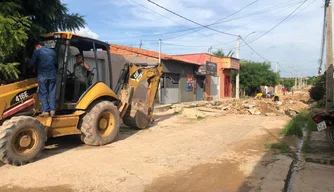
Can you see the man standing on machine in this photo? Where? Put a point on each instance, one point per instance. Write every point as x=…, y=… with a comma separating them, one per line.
x=44, y=60
x=80, y=73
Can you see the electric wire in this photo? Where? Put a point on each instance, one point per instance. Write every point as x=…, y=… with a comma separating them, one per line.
x=222, y=32
x=288, y=3
x=278, y=23
x=173, y=20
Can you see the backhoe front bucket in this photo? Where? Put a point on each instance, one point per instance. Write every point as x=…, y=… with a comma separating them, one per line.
x=136, y=118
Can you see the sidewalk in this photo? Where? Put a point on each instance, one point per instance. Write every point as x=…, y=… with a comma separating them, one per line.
x=317, y=172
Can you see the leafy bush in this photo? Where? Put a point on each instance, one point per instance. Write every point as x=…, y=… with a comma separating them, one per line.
x=9, y=71
x=317, y=92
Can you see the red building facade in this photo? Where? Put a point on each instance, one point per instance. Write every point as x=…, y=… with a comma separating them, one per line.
x=218, y=85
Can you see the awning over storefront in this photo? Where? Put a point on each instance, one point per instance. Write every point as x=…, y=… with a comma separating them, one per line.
x=230, y=63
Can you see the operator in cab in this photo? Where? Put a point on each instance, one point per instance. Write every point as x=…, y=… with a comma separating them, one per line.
x=80, y=69
x=44, y=60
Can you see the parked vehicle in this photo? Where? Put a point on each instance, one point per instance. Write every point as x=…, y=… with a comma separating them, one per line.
x=326, y=122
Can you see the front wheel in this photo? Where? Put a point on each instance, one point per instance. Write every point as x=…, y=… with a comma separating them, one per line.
x=21, y=140
x=100, y=125
x=330, y=135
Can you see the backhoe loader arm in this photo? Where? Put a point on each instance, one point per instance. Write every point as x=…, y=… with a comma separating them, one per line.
x=132, y=75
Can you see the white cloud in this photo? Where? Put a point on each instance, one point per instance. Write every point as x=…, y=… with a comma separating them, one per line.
x=87, y=33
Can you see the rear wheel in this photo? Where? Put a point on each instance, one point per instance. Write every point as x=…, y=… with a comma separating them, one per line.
x=101, y=123
x=330, y=135
x=21, y=140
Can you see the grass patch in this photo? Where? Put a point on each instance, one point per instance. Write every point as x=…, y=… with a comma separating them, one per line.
x=310, y=126
x=297, y=124
x=283, y=147
x=199, y=117
x=293, y=128
x=303, y=121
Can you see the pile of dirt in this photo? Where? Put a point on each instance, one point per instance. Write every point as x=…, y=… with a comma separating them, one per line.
x=288, y=105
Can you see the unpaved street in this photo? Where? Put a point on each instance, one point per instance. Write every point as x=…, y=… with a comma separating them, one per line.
x=178, y=153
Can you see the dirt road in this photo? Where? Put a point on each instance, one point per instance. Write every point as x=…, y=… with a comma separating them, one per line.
x=221, y=153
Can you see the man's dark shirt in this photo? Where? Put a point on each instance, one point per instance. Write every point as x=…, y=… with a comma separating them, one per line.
x=45, y=61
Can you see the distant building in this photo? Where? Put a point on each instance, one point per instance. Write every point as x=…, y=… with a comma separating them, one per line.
x=218, y=84
x=178, y=81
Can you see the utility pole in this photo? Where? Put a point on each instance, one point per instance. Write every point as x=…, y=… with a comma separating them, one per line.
x=276, y=72
x=296, y=82
x=159, y=86
x=140, y=44
x=159, y=50
x=329, y=57
x=237, y=91
x=210, y=50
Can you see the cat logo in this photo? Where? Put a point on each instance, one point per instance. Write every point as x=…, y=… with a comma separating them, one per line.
x=137, y=75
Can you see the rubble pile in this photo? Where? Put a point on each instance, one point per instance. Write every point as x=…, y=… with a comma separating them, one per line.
x=288, y=105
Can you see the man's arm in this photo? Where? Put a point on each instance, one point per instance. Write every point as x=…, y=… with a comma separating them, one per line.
x=86, y=65
x=34, y=58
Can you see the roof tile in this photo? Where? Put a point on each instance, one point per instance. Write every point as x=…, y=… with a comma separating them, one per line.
x=125, y=50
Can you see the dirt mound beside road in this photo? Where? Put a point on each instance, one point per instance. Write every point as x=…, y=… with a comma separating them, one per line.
x=288, y=105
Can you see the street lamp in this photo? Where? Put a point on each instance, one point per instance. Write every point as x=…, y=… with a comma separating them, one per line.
x=248, y=35
x=238, y=57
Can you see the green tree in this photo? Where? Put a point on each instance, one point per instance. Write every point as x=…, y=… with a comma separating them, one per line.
x=220, y=53
x=22, y=22
x=256, y=74
x=13, y=28
x=318, y=90
x=288, y=82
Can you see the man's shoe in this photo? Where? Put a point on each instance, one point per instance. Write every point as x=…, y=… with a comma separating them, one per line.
x=52, y=113
x=45, y=114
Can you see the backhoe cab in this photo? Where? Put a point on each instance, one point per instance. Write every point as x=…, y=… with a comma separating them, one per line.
x=96, y=116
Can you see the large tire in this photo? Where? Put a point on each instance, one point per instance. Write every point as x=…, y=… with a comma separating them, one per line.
x=100, y=125
x=21, y=140
x=330, y=135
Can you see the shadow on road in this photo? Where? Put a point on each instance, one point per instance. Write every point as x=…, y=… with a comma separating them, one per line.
x=126, y=132
x=272, y=171
x=162, y=117
x=58, y=145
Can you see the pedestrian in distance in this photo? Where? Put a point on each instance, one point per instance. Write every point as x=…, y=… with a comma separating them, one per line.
x=44, y=59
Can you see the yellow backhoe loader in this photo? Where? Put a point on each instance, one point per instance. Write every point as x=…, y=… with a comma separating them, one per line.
x=96, y=116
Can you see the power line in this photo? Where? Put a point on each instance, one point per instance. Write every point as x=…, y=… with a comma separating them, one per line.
x=275, y=25
x=221, y=20
x=209, y=28
x=282, y=5
x=286, y=6
x=254, y=50
x=222, y=32
x=173, y=20
x=279, y=22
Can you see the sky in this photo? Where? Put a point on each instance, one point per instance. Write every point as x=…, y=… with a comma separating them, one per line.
x=294, y=44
